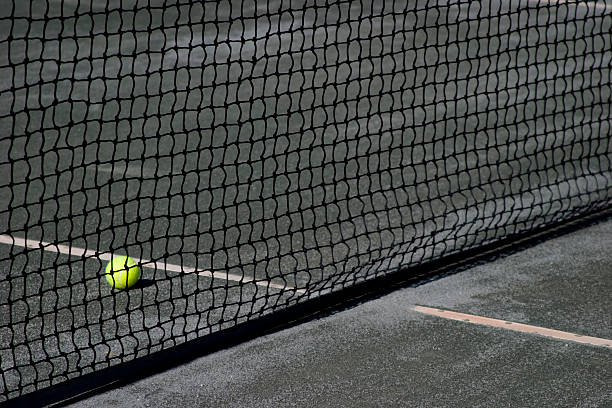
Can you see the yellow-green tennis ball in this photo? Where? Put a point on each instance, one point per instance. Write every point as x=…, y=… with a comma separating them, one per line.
x=122, y=272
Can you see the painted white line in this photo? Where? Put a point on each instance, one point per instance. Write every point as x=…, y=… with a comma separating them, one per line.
x=106, y=256
x=121, y=170
x=519, y=327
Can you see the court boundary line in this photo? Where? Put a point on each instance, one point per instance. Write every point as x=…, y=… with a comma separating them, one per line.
x=146, y=263
x=513, y=326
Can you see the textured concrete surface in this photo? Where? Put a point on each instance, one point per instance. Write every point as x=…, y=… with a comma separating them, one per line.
x=312, y=143
x=382, y=353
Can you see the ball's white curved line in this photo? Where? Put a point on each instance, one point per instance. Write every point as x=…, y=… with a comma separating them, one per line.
x=107, y=256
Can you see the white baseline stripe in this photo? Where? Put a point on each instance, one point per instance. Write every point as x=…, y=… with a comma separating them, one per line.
x=106, y=256
x=519, y=327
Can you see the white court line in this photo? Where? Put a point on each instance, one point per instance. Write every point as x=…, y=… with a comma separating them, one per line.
x=519, y=327
x=106, y=256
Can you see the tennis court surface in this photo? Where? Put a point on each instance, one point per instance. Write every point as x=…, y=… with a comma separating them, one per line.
x=261, y=158
x=382, y=353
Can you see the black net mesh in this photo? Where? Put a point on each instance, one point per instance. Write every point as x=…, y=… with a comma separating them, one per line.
x=250, y=155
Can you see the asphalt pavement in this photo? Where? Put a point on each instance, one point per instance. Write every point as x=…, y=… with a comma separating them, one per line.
x=383, y=353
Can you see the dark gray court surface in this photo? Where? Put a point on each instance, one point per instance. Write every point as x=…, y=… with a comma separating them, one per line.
x=381, y=353
x=309, y=144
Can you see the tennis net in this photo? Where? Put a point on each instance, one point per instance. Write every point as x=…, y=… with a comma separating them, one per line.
x=252, y=155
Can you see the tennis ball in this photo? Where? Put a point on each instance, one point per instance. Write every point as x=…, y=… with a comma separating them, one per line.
x=122, y=272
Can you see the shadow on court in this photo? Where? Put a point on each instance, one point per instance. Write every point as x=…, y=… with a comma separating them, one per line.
x=382, y=353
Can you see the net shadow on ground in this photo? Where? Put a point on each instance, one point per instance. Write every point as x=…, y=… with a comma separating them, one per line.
x=84, y=325
x=324, y=305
